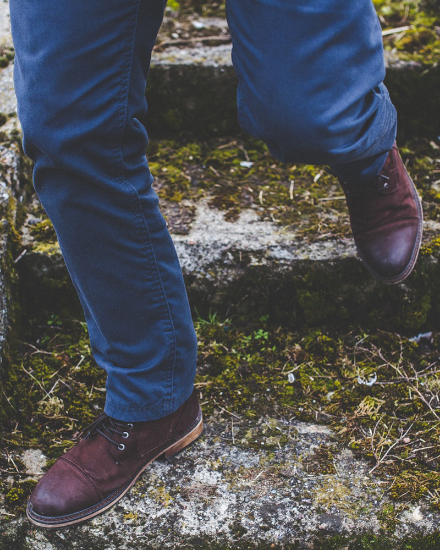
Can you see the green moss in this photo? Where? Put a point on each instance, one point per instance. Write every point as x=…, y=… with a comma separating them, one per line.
x=43, y=232
x=7, y=54
x=173, y=5
x=419, y=42
x=388, y=516
x=248, y=377
x=304, y=198
x=17, y=495
x=61, y=360
x=410, y=485
x=285, y=194
x=268, y=435
x=206, y=8
x=321, y=461
x=431, y=248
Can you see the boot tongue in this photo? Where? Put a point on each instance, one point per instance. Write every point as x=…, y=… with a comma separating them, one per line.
x=107, y=424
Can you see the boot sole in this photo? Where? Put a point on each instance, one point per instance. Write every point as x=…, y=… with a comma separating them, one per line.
x=84, y=515
x=410, y=267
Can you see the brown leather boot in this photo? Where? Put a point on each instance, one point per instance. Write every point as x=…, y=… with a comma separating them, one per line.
x=98, y=471
x=386, y=218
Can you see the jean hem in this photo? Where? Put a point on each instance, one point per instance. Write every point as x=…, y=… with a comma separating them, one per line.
x=151, y=412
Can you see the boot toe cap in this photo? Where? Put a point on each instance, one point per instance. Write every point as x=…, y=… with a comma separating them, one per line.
x=62, y=491
x=390, y=253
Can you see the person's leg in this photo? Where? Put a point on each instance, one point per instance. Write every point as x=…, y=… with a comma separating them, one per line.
x=310, y=79
x=311, y=87
x=80, y=75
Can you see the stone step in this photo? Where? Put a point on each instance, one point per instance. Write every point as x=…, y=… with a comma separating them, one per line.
x=264, y=472
x=308, y=493
x=255, y=237
x=192, y=85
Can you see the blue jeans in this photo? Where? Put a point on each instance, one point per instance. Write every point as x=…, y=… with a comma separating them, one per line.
x=310, y=86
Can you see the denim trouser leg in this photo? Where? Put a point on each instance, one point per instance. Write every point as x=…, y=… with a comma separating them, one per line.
x=80, y=75
x=310, y=82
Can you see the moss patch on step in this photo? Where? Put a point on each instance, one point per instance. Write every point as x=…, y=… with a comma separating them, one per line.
x=206, y=8
x=378, y=391
x=417, y=24
x=7, y=55
x=236, y=174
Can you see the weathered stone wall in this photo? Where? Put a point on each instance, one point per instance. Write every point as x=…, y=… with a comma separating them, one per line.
x=13, y=186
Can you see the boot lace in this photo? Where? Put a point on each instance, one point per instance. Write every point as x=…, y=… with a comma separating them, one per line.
x=108, y=428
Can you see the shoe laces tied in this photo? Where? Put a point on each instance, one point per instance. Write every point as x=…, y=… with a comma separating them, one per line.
x=108, y=428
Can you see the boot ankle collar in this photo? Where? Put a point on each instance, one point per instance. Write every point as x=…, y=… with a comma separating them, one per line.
x=379, y=183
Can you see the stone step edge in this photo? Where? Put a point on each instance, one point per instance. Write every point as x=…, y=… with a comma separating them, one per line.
x=213, y=241
x=192, y=91
x=252, y=268
x=220, y=57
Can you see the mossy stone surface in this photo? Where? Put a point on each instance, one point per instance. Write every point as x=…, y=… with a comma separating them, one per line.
x=256, y=237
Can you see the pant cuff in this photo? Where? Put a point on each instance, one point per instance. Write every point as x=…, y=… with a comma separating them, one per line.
x=153, y=412
x=360, y=171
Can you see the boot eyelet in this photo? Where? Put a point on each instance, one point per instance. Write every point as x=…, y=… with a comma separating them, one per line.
x=129, y=425
x=121, y=446
x=125, y=435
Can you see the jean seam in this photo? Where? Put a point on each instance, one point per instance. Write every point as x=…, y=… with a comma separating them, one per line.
x=140, y=219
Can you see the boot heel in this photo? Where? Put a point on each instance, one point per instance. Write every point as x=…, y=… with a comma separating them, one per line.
x=185, y=441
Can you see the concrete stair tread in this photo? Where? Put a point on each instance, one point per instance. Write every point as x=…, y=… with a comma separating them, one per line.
x=270, y=211
x=222, y=493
